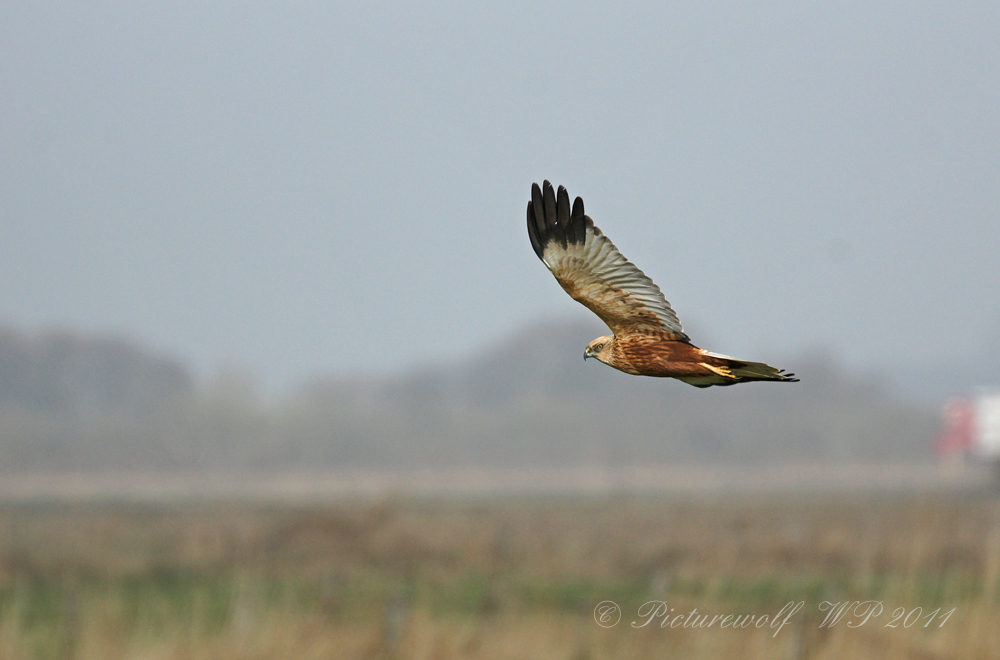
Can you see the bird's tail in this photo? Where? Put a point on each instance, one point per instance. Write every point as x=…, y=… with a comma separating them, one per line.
x=759, y=371
x=740, y=371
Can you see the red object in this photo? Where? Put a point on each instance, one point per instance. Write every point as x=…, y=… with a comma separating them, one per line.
x=959, y=428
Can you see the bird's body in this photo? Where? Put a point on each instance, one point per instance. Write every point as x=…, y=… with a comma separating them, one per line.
x=657, y=354
x=650, y=353
x=648, y=338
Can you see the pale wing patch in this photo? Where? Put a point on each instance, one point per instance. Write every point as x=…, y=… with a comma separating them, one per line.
x=718, y=355
x=597, y=275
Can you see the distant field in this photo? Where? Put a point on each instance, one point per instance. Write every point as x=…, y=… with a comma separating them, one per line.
x=594, y=480
x=502, y=577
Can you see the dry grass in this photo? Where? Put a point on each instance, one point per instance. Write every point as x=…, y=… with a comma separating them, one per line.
x=516, y=578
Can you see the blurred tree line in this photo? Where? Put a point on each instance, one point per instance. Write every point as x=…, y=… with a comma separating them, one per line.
x=64, y=372
x=71, y=402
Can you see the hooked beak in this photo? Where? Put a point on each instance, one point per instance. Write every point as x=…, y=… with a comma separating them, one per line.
x=586, y=354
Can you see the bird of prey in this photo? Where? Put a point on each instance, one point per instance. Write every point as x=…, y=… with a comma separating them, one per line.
x=648, y=339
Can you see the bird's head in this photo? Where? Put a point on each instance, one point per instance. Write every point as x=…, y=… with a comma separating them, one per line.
x=600, y=348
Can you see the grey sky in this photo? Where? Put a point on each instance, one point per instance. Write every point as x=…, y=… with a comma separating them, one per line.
x=341, y=186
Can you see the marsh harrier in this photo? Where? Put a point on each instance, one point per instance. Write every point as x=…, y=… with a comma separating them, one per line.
x=648, y=339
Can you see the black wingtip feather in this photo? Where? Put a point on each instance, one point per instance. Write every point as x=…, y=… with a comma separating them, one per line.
x=562, y=216
x=539, y=207
x=550, y=217
x=578, y=222
x=533, y=232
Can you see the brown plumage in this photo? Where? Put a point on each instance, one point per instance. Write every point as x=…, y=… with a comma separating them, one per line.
x=648, y=338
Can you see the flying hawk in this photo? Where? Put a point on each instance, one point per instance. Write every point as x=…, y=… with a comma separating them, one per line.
x=648, y=339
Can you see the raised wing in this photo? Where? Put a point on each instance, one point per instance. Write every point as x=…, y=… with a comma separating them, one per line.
x=591, y=269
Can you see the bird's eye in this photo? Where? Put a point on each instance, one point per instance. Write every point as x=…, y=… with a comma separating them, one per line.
x=598, y=347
